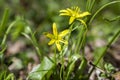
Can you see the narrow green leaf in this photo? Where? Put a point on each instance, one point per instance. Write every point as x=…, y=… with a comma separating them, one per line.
x=4, y=21
x=100, y=9
x=6, y=33
x=10, y=77
x=105, y=49
x=71, y=66
x=18, y=28
x=89, y=5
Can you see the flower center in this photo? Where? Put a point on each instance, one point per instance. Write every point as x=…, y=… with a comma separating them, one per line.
x=73, y=15
x=56, y=37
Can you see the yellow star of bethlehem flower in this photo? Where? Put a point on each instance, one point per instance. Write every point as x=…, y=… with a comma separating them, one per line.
x=75, y=14
x=57, y=37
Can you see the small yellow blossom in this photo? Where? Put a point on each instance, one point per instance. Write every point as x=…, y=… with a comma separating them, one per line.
x=75, y=14
x=57, y=37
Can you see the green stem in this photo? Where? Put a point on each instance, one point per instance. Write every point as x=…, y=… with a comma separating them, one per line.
x=89, y=5
x=33, y=40
x=108, y=45
x=81, y=68
x=4, y=21
x=3, y=43
x=6, y=33
x=79, y=39
x=100, y=9
x=83, y=41
x=3, y=49
x=62, y=68
x=35, y=43
x=116, y=35
x=113, y=19
x=71, y=29
x=104, y=51
x=82, y=64
x=55, y=56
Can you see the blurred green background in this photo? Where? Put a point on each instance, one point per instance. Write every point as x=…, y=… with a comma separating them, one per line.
x=41, y=14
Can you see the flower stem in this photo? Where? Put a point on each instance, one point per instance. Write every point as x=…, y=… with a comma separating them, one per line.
x=104, y=51
x=100, y=9
x=62, y=68
x=4, y=21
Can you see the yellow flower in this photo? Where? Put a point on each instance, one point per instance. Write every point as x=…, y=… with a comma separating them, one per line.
x=75, y=14
x=57, y=37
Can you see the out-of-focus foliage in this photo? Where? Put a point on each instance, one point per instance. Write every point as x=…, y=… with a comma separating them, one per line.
x=40, y=14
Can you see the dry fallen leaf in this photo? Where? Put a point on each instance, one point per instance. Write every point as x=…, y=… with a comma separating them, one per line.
x=16, y=47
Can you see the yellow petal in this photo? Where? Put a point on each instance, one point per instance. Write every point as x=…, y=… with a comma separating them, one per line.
x=69, y=10
x=64, y=41
x=77, y=9
x=58, y=45
x=64, y=14
x=65, y=11
x=51, y=42
x=55, y=29
x=49, y=35
x=63, y=33
x=84, y=14
x=71, y=20
x=83, y=22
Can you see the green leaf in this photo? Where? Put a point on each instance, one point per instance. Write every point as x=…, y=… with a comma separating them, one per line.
x=33, y=39
x=10, y=77
x=5, y=75
x=4, y=21
x=19, y=27
x=101, y=8
x=42, y=70
x=71, y=65
x=109, y=67
x=103, y=75
x=2, y=51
